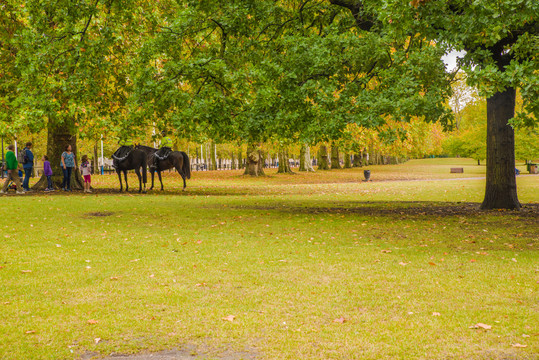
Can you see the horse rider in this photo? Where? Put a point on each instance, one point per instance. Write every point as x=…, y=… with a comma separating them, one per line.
x=165, y=149
x=166, y=145
x=126, y=146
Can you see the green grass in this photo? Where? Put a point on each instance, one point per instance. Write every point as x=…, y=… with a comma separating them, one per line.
x=286, y=255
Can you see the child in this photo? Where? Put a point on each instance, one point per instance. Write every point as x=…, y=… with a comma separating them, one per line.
x=47, y=171
x=85, y=168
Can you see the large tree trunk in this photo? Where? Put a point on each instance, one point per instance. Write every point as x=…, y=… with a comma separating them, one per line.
x=284, y=162
x=347, y=161
x=60, y=135
x=305, y=162
x=253, y=167
x=358, y=157
x=335, y=158
x=323, y=163
x=501, y=188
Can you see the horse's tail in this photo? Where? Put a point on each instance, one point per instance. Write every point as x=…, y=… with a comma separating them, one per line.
x=186, y=164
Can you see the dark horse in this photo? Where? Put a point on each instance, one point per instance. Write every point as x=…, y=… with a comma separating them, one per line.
x=135, y=160
x=176, y=159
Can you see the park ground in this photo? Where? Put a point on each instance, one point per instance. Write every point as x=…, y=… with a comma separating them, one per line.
x=306, y=266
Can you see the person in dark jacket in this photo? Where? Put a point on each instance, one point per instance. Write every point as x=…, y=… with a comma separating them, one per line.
x=28, y=166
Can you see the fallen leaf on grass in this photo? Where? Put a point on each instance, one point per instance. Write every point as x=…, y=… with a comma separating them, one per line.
x=26, y=271
x=436, y=314
x=340, y=320
x=517, y=345
x=30, y=332
x=92, y=322
x=134, y=260
x=114, y=278
x=403, y=263
x=432, y=264
x=97, y=340
x=473, y=260
x=229, y=318
x=387, y=251
x=481, y=326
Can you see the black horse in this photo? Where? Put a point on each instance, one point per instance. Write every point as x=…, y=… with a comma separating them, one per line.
x=176, y=159
x=135, y=160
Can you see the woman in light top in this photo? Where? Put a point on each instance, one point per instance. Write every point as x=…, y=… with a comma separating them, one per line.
x=68, y=163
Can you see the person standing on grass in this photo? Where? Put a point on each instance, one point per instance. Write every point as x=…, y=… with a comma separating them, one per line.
x=27, y=165
x=68, y=163
x=12, y=167
x=86, y=173
x=47, y=171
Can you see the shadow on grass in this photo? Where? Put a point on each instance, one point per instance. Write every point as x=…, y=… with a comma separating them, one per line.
x=393, y=209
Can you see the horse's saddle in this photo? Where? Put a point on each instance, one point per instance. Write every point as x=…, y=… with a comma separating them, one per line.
x=162, y=154
x=122, y=153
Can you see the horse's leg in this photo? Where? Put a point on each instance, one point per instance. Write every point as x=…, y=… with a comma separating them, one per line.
x=160, y=179
x=120, y=177
x=153, y=176
x=180, y=171
x=126, y=185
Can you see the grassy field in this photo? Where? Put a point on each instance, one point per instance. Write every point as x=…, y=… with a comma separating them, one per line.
x=307, y=266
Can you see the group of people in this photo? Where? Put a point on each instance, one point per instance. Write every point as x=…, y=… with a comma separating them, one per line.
x=67, y=163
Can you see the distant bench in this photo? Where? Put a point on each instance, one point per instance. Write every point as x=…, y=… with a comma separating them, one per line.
x=457, y=170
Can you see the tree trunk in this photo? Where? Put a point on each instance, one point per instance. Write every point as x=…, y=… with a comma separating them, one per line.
x=213, y=156
x=323, y=163
x=233, y=161
x=253, y=167
x=302, y=160
x=501, y=187
x=358, y=160
x=305, y=162
x=95, y=162
x=347, y=162
x=335, y=158
x=240, y=158
x=284, y=161
x=261, y=162
x=58, y=136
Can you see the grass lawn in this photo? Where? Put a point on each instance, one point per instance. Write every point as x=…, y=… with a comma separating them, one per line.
x=309, y=266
